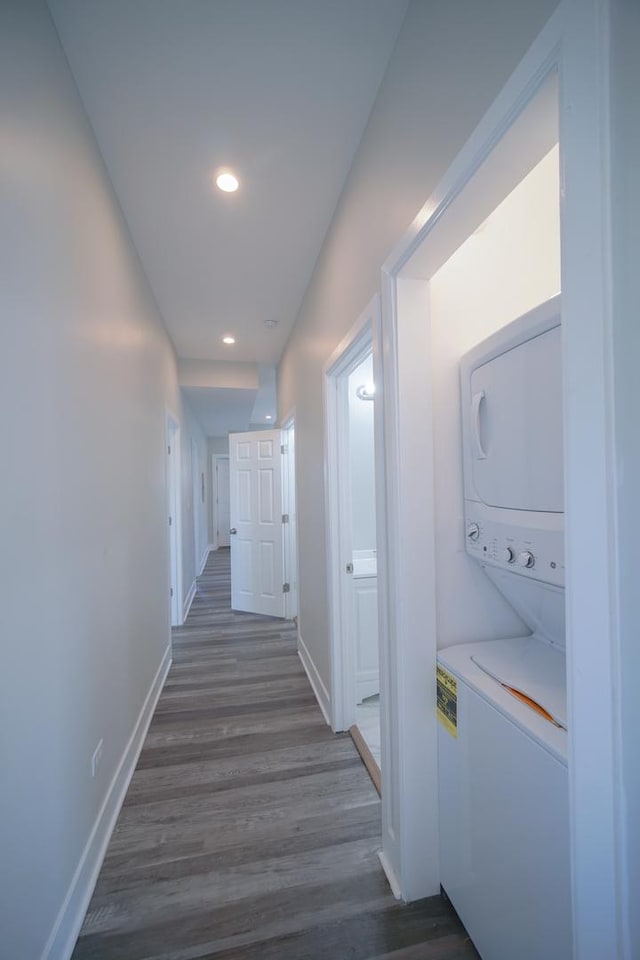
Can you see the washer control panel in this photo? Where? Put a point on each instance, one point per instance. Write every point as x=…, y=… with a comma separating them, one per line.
x=527, y=550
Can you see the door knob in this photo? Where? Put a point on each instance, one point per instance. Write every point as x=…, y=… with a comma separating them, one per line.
x=233, y=530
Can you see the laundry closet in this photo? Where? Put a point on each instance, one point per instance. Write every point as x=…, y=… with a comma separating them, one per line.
x=494, y=317
x=447, y=292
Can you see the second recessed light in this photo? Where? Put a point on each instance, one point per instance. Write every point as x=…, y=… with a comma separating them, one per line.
x=227, y=182
x=229, y=340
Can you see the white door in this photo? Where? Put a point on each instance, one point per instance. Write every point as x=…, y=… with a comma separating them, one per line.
x=221, y=512
x=255, y=473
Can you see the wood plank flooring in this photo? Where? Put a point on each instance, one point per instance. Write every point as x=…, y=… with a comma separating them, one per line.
x=250, y=831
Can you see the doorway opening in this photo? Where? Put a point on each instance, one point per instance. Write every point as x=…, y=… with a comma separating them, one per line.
x=172, y=448
x=197, y=496
x=220, y=500
x=351, y=462
x=289, y=518
x=491, y=254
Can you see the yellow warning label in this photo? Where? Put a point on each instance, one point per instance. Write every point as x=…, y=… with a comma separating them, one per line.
x=447, y=700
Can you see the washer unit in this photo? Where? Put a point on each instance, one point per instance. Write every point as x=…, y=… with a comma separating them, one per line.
x=503, y=784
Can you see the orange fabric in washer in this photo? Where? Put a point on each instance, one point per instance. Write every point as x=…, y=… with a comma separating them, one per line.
x=531, y=703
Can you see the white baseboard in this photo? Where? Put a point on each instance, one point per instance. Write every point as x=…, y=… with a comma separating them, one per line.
x=203, y=562
x=186, y=606
x=67, y=926
x=318, y=687
x=390, y=875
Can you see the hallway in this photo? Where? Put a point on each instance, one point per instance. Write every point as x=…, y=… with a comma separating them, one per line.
x=249, y=829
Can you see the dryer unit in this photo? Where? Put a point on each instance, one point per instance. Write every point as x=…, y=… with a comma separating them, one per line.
x=503, y=785
x=511, y=393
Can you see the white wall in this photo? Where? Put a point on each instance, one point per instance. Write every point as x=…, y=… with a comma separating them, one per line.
x=510, y=265
x=219, y=445
x=86, y=371
x=362, y=461
x=450, y=61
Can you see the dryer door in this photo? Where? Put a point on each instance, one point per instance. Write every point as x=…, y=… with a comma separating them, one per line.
x=516, y=426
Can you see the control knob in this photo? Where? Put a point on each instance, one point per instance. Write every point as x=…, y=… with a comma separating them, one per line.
x=508, y=555
x=473, y=531
x=526, y=559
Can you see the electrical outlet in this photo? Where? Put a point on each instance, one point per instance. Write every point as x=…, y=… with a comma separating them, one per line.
x=96, y=758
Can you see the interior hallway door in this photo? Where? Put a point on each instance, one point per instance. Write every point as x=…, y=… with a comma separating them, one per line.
x=255, y=473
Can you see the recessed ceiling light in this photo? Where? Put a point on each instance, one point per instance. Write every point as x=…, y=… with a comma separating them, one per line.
x=268, y=417
x=227, y=182
x=229, y=340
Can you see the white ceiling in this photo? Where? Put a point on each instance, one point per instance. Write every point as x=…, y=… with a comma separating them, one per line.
x=281, y=91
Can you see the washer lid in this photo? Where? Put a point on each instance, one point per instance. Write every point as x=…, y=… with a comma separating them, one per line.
x=531, y=667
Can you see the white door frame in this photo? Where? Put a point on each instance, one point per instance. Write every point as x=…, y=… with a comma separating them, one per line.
x=289, y=508
x=174, y=516
x=195, y=493
x=215, y=457
x=575, y=42
x=362, y=339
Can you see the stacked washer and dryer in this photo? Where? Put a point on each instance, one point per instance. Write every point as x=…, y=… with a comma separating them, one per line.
x=503, y=783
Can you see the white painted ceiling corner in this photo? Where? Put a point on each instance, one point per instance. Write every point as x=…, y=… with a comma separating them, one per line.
x=279, y=92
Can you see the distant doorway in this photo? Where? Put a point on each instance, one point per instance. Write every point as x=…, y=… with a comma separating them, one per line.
x=289, y=518
x=255, y=505
x=220, y=475
x=197, y=492
x=352, y=537
x=173, y=518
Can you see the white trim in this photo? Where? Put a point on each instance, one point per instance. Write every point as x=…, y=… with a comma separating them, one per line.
x=338, y=514
x=69, y=921
x=595, y=780
x=390, y=875
x=361, y=339
x=409, y=744
x=313, y=675
x=189, y=600
x=203, y=562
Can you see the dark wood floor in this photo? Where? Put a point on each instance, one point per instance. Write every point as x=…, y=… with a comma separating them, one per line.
x=250, y=831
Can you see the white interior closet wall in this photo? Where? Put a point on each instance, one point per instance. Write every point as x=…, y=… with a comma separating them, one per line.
x=509, y=265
